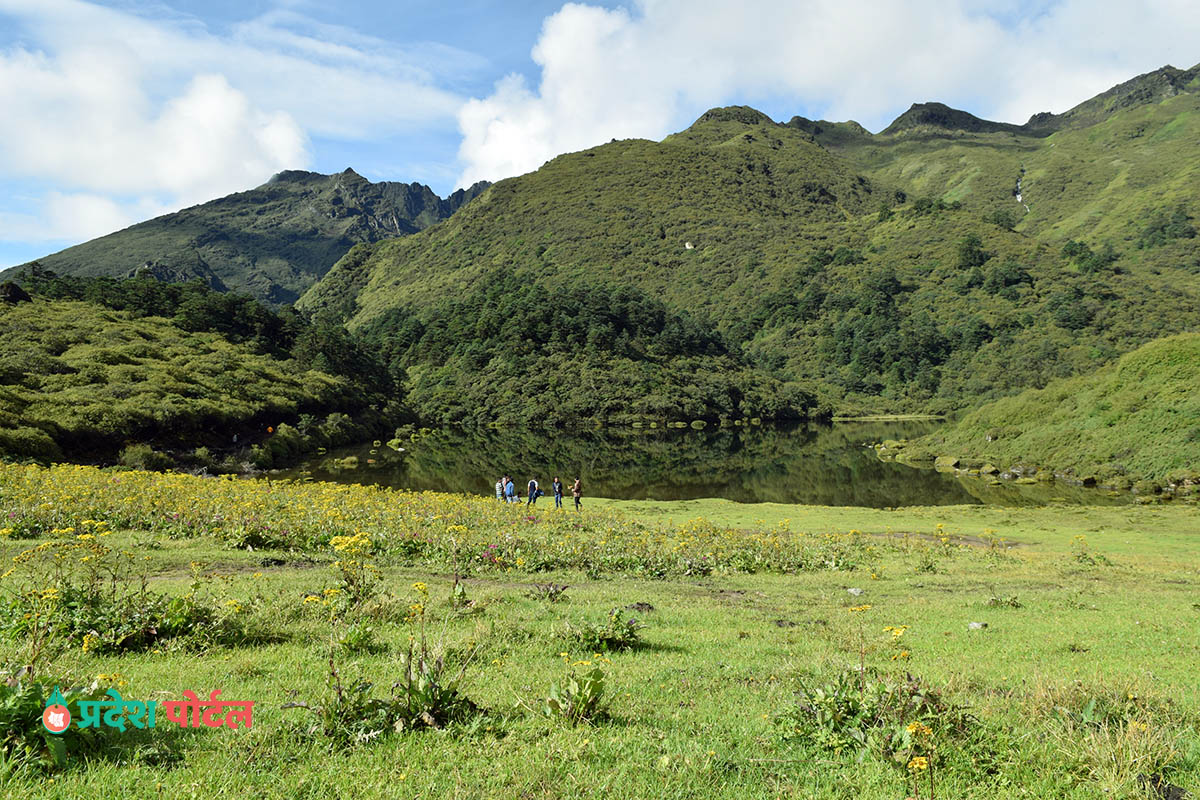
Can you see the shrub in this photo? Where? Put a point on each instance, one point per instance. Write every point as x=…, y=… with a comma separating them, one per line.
x=615, y=633
x=425, y=695
x=359, y=638
x=550, y=592
x=1082, y=553
x=143, y=456
x=854, y=713
x=81, y=593
x=579, y=699
x=355, y=567
x=1165, y=227
x=25, y=442
x=204, y=457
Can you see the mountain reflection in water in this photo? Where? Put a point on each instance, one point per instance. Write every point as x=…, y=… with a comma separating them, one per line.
x=812, y=464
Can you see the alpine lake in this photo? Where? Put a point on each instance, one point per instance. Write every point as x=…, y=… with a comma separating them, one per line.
x=812, y=464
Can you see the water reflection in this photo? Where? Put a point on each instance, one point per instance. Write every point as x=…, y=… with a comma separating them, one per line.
x=817, y=464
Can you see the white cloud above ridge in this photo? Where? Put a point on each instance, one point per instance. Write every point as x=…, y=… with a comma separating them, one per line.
x=647, y=72
x=65, y=216
x=119, y=115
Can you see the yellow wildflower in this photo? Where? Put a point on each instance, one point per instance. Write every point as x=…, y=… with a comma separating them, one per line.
x=919, y=729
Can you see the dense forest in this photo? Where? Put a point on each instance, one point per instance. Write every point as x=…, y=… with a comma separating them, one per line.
x=94, y=365
x=511, y=352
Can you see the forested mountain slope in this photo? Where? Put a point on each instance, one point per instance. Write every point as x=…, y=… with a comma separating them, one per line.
x=943, y=262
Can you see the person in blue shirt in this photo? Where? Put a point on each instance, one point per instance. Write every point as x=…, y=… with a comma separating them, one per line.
x=510, y=491
x=558, y=492
x=533, y=491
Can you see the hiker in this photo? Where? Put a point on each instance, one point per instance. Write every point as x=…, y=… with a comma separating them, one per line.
x=500, y=490
x=558, y=491
x=534, y=492
x=510, y=490
x=577, y=493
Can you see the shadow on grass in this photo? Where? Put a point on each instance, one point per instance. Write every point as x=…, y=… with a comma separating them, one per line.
x=654, y=647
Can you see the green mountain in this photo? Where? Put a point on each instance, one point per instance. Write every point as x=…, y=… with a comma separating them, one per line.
x=272, y=242
x=941, y=263
x=1135, y=419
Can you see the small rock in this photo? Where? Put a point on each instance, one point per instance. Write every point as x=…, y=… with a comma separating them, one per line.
x=976, y=626
x=855, y=591
x=943, y=463
x=640, y=607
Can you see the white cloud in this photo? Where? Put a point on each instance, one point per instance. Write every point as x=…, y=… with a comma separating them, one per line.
x=612, y=73
x=125, y=113
x=64, y=216
x=84, y=121
x=86, y=215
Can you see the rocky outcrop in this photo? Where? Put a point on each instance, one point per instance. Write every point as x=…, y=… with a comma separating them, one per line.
x=12, y=294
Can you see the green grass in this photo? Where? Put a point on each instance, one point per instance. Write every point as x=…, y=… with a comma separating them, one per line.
x=1159, y=533
x=1136, y=419
x=691, y=711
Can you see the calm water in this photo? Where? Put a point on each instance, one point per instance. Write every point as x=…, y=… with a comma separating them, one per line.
x=817, y=464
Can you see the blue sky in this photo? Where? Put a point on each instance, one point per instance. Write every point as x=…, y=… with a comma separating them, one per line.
x=121, y=110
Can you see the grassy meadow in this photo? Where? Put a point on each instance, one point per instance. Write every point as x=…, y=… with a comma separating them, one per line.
x=750, y=668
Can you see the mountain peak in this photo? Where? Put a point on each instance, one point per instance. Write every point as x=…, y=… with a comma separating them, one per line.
x=743, y=114
x=296, y=176
x=349, y=177
x=273, y=241
x=941, y=118
x=829, y=133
